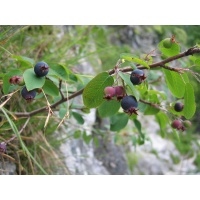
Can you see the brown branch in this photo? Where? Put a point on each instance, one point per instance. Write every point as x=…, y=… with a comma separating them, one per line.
x=190, y=51
x=22, y=114
x=153, y=105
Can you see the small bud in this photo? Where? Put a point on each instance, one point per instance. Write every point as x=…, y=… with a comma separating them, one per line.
x=2, y=147
x=16, y=80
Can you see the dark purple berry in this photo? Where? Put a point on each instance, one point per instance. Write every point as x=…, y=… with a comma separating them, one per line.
x=28, y=95
x=119, y=92
x=137, y=76
x=178, y=107
x=109, y=92
x=2, y=147
x=41, y=69
x=129, y=104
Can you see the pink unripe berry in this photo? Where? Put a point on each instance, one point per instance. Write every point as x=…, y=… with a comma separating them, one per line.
x=177, y=124
x=119, y=92
x=109, y=92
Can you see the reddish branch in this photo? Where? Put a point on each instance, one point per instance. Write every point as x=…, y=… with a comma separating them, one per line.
x=191, y=51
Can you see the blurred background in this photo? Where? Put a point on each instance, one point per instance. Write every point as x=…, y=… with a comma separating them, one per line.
x=84, y=144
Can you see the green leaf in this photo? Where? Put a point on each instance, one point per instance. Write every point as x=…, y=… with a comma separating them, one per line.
x=153, y=98
x=58, y=70
x=32, y=81
x=93, y=93
x=175, y=83
x=176, y=133
x=6, y=84
x=189, y=104
x=62, y=112
x=118, y=122
x=150, y=110
x=162, y=94
x=139, y=128
x=24, y=61
x=132, y=58
x=96, y=141
x=185, y=78
x=86, y=138
x=172, y=51
x=134, y=140
x=163, y=121
x=73, y=77
x=126, y=79
x=50, y=88
x=108, y=108
x=197, y=62
x=78, y=117
x=77, y=134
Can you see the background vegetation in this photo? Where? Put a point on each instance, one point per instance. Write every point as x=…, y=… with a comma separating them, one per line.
x=36, y=151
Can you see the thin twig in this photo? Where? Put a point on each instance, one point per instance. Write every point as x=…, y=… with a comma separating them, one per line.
x=60, y=89
x=153, y=105
x=50, y=112
x=67, y=113
x=23, y=127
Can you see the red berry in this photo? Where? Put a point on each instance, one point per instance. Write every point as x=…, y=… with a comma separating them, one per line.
x=176, y=124
x=109, y=92
x=119, y=92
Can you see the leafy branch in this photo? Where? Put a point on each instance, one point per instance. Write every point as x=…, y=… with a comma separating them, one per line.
x=190, y=51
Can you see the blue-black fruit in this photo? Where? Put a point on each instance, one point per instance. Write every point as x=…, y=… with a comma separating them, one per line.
x=129, y=104
x=28, y=95
x=137, y=76
x=41, y=69
x=178, y=107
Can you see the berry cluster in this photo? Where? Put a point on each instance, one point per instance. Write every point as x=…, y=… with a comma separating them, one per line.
x=128, y=102
x=41, y=69
x=178, y=123
x=111, y=92
x=181, y=125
